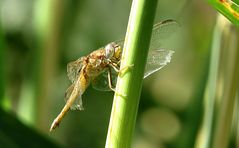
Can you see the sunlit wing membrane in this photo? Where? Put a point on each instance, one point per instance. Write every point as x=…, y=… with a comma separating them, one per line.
x=68, y=94
x=156, y=60
x=78, y=100
x=161, y=32
x=76, y=104
x=73, y=69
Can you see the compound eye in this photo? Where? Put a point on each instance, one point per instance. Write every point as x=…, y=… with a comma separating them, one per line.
x=109, y=51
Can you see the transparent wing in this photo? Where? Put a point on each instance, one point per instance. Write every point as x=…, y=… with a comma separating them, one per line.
x=73, y=69
x=77, y=105
x=161, y=32
x=156, y=60
x=101, y=82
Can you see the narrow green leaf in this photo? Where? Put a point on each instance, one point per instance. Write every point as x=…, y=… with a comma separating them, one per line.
x=228, y=8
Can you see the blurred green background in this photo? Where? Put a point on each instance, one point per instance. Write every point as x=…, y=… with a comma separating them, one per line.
x=37, y=40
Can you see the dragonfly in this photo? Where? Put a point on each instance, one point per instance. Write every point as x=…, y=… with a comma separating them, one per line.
x=101, y=67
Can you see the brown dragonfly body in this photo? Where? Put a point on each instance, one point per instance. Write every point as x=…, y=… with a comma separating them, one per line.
x=82, y=71
x=101, y=67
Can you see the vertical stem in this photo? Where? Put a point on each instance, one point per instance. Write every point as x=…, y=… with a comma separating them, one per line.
x=47, y=22
x=221, y=88
x=2, y=68
x=210, y=94
x=126, y=100
x=230, y=83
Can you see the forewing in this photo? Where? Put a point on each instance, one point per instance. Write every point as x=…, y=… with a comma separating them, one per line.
x=156, y=60
x=101, y=82
x=161, y=32
x=157, y=57
x=73, y=69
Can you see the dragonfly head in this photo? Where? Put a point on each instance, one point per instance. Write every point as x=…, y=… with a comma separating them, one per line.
x=112, y=50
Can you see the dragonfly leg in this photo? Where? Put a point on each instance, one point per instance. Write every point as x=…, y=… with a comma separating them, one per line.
x=110, y=80
x=122, y=71
x=115, y=67
x=110, y=84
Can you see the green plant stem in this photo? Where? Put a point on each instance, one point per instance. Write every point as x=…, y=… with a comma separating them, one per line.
x=230, y=83
x=221, y=88
x=2, y=74
x=4, y=102
x=210, y=94
x=47, y=20
x=129, y=84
